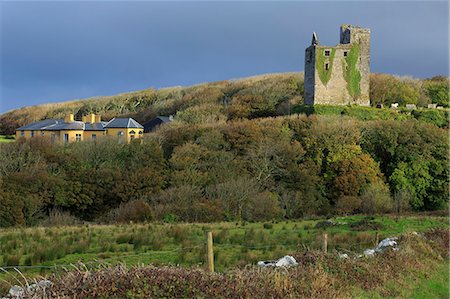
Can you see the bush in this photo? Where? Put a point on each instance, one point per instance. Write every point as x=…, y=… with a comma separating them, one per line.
x=58, y=217
x=135, y=210
x=376, y=199
x=348, y=204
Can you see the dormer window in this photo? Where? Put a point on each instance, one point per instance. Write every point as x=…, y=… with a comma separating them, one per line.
x=327, y=53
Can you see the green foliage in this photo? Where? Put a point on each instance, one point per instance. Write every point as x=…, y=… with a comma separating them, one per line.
x=250, y=170
x=388, y=89
x=438, y=91
x=321, y=60
x=8, y=138
x=351, y=72
x=438, y=117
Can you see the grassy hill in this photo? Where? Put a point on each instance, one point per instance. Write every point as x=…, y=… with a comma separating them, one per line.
x=259, y=96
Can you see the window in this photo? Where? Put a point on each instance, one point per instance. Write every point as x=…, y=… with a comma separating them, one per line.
x=345, y=53
x=132, y=133
x=327, y=66
x=77, y=137
x=66, y=138
x=42, y=134
x=94, y=136
x=327, y=52
x=120, y=136
x=32, y=133
x=22, y=134
x=52, y=139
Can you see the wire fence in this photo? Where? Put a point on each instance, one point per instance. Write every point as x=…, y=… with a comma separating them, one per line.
x=349, y=248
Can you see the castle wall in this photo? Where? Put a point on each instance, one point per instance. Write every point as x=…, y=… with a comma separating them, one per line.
x=310, y=69
x=334, y=90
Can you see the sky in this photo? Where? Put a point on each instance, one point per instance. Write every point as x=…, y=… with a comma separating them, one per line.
x=58, y=51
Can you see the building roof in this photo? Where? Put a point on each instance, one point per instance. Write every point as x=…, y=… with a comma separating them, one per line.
x=123, y=123
x=165, y=119
x=95, y=126
x=76, y=125
x=40, y=125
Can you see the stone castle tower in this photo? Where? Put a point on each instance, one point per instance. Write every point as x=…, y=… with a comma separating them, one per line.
x=339, y=75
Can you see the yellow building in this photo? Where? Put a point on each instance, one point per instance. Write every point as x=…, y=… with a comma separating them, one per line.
x=90, y=128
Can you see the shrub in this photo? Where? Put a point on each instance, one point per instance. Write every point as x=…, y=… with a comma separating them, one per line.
x=58, y=217
x=376, y=199
x=348, y=204
x=135, y=210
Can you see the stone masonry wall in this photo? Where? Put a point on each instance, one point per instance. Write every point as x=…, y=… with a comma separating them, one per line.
x=336, y=91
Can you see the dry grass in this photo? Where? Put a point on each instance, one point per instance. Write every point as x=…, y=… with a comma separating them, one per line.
x=318, y=276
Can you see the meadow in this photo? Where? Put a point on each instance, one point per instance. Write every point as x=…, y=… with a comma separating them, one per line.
x=235, y=244
x=165, y=254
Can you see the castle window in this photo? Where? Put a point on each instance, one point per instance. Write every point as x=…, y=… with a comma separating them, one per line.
x=327, y=66
x=345, y=53
x=78, y=137
x=327, y=52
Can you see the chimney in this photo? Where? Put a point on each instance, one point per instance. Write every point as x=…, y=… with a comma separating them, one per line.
x=98, y=118
x=69, y=118
x=83, y=119
x=91, y=118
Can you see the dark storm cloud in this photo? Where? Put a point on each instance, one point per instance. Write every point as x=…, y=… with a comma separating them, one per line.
x=59, y=51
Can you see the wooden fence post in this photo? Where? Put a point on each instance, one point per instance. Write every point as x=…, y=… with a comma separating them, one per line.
x=325, y=242
x=209, y=251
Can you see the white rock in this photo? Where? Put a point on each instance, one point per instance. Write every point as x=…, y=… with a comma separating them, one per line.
x=369, y=252
x=285, y=261
x=16, y=291
x=385, y=244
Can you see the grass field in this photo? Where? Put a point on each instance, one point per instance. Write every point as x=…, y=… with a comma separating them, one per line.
x=418, y=270
x=4, y=138
x=235, y=244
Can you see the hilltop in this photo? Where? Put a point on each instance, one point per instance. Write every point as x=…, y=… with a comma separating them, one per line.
x=252, y=97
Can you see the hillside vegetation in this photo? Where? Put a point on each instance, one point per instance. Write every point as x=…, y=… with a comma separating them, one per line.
x=267, y=168
x=260, y=96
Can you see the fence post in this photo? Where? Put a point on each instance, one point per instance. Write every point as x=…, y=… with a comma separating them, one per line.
x=325, y=242
x=209, y=251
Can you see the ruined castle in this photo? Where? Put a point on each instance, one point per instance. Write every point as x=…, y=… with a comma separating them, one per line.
x=339, y=75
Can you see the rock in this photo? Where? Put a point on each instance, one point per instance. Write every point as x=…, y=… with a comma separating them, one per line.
x=286, y=261
x=385, y=244
x=343, y=255
x=369, y=252
x=16, y=292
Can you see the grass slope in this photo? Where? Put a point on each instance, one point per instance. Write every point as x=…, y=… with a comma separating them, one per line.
x=4, y=138
x=258, y=96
